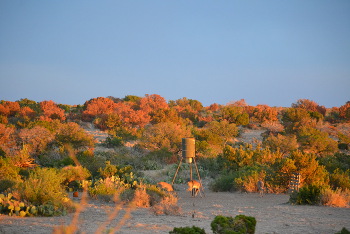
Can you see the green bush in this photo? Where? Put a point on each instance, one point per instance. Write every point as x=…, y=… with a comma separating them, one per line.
x=340, y=179
x=307, y=195
x=238, y=225
x=343, y=231
x=113, y=141
x=8, y=170
x=107, y=188
x=73, y=174
x=223, y=183
x=187, y=230
x=44, y=188
x=6, y=184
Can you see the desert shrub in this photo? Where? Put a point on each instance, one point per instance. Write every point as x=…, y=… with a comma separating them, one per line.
x=113, y=141
x=187, y=230
x=309, y=168
x=340, y=179
x=315, y=141
x=343, y=231
x=307, y=195
x=209, y=165
x=161, y=201
x=338, y=160
x=107, y=188
x=223, y=183
x=234, y=114
x=6, y=184
x=279, y=174
x=248, y=177
x=165, y=135
x=156, y=194
x=125, y=174
x=344, y=111
x=273, y=126
x=280, y=142
x=337, y=198
x=141, y=197
x=73, y=174
x=168, y=206
x=71, y=133
x=8, y=170
x=162, y=156
x=295, y=118
x=91, y=162
x=239, y=224
x=44, y=189
x=127, y=195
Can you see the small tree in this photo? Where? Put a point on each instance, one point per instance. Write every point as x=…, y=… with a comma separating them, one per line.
x=165, y=135
x=280, y=142
x=314, y=141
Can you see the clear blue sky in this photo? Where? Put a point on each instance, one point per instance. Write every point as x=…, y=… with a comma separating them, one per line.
x=266, y=52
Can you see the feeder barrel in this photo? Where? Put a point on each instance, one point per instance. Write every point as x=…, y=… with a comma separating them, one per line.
x=188, y=148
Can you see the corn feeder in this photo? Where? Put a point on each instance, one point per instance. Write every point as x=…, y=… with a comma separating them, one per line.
x=189, y=155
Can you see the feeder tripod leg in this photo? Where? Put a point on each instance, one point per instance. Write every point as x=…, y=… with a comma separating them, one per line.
x=177, y=170
x=199, y=177
x=191, y=177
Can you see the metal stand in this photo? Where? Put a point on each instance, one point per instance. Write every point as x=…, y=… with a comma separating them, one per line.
x=191, y=177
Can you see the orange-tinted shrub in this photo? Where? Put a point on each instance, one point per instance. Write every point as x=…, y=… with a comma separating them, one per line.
x=51, y=111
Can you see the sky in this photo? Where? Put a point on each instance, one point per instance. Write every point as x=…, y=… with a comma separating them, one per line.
x=271, y=52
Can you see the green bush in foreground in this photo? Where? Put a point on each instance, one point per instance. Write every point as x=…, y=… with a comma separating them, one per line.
x=343, y=231
x=187, y=230
x=240, y=224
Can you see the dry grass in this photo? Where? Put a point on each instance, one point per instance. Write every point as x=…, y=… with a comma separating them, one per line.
x=273, y=126
x=337, y=198
x=168, y=206
x=141, y=198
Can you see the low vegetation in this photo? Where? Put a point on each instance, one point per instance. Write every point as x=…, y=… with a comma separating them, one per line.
x=44, y=145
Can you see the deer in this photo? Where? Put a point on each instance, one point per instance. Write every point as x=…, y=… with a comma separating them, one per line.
x=194, y=186
x=260, y=185
x=166, y=186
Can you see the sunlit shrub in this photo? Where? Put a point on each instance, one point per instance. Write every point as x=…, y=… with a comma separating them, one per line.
x=141, y=197
x=280, y=142
x=125, y=174
x=314, y=141
x=273, y=126
x=248, y=177
x=108, y=188
x=310, y=169
x=8, y=170
x=44, y=188
x=71, y=133
x=337, y=198
x=167, y=205
x=73, y=174
x=340, y=179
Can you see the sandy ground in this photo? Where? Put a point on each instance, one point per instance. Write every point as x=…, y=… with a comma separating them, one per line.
x=272, y=213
